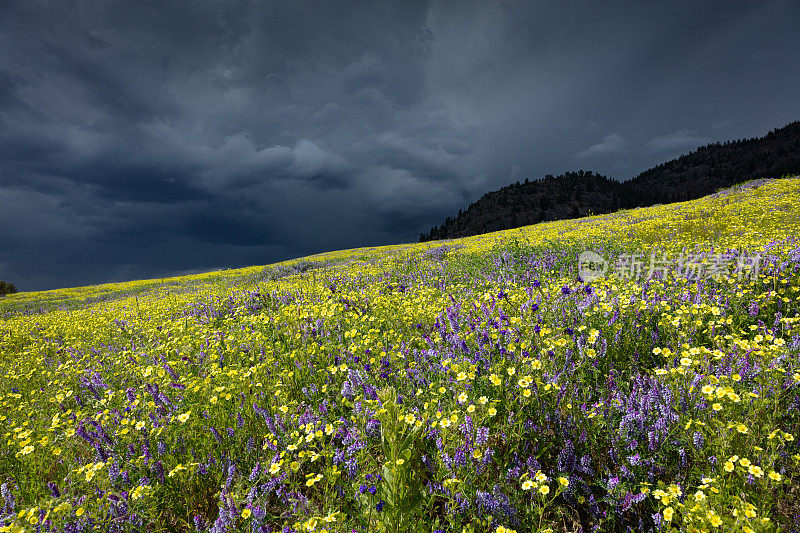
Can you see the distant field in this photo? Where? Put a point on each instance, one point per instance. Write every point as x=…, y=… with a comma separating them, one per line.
x=474, y=385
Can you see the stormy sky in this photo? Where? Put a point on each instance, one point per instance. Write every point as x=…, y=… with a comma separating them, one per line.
x=145, y=139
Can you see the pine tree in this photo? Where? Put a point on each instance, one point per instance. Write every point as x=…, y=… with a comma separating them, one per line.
x=7, y=288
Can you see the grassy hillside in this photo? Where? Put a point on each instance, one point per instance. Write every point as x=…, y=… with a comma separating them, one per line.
x=467, y=385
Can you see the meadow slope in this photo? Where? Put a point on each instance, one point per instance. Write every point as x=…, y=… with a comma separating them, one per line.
x=474, y=385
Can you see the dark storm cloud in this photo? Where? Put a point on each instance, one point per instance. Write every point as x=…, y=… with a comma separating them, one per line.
x=681, y=140
x=142, y=140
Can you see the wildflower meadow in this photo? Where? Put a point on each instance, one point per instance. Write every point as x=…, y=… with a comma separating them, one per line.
x=471, y=385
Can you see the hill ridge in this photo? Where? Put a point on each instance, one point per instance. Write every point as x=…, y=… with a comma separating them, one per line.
x=580, y=193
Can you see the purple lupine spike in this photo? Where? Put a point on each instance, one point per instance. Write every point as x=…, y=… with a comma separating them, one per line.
x=113, y=471
x=165, y=399
x=101, y=432
x=158, y=470
x=200, y=523
x=460, y=457
x=146, y=450
x=254, y=473
x=224, y=521
x=231, y=474
x=566, y=457
x=171, y=371
x=152, y=389
x=373, y=427
x=481, y=436
x=84, y=434
x=52, y=487
x=263, y=413
x=101, y=455
x=533, y=464
x=467, y=428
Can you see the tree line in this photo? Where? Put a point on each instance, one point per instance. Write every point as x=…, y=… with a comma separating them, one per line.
x=7, y=288
x=582, y=193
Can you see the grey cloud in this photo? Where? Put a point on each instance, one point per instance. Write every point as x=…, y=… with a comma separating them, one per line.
x=683, y=139
x=722, y=124
x=612, y=143
x=142, y=139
